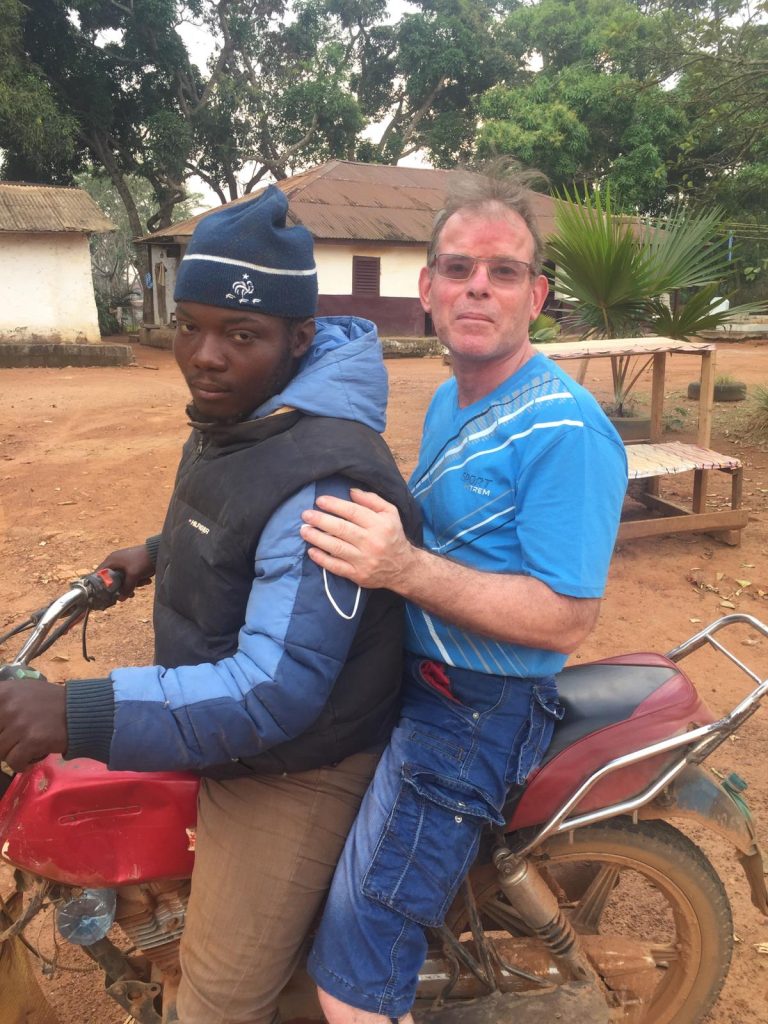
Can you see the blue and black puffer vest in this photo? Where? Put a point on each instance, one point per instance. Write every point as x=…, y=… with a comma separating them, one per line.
x=232, y=478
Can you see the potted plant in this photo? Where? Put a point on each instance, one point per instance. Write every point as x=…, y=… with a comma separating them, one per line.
x=617, y=273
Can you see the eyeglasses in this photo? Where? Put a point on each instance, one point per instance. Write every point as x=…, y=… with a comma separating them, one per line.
x=501, y=270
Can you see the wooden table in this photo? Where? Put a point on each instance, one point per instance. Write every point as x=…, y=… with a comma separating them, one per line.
x=653, y=459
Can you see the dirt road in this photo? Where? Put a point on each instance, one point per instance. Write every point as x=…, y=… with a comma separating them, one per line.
x=87, y=458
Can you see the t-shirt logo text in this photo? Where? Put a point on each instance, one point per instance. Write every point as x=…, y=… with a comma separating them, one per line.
x=477, y=484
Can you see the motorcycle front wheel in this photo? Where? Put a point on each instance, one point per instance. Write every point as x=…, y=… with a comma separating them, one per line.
x=652, y=912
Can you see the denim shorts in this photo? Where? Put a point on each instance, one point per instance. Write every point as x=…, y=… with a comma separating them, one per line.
x=463, y=739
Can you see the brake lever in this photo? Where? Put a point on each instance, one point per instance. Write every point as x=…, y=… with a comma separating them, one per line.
x=22, y=627
x=76, y=595
x=69, y=623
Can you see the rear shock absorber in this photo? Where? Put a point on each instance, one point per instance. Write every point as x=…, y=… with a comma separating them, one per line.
x=535, y=903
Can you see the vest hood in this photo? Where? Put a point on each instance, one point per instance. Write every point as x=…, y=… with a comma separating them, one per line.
x=341, y=376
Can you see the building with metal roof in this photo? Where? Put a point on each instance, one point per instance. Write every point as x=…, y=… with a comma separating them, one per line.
x=371, y=224
x=46, y=288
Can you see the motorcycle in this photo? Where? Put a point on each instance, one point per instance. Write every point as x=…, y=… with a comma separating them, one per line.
x=589, y=903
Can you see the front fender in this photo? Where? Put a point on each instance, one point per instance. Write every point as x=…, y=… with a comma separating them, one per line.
x=695, y=795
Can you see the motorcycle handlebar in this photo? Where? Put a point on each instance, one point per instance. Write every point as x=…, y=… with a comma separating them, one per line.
x=98, y=590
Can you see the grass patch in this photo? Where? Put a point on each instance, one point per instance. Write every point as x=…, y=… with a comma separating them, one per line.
x=757, y=414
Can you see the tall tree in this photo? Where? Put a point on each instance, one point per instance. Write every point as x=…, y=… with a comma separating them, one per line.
x=121, y=70
x=284, y=99
x=661, y=100
x=723, y=81
x=592, y=106
x=422, y=76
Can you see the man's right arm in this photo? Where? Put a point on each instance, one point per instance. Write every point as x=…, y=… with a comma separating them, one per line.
x=566, y=516
x=362, y=540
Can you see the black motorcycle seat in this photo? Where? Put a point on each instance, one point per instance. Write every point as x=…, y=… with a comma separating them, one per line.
x=594, y=696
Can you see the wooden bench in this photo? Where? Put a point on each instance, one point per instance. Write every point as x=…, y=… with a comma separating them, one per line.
x=653, y=461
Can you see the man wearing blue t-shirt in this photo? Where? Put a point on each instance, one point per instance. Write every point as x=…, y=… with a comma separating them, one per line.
x=520, y=481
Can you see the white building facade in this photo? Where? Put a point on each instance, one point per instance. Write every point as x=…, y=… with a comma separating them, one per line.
x=46, y=288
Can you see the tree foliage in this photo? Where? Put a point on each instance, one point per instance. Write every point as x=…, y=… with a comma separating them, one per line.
x=662, y=100
x=424, y=81
x=592, y=107
x=285, y=84
x=658, y=99
x=122, y=73
x=39, y=136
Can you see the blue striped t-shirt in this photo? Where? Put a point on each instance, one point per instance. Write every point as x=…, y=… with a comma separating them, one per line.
x=528, y=480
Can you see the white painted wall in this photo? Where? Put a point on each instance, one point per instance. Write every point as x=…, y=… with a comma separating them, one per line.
x=400, y=266
x=46, y=289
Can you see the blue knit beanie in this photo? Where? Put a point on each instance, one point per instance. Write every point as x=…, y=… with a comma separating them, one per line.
x=244, y=257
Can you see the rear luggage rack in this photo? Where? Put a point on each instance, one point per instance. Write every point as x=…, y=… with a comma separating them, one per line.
x=699, y=742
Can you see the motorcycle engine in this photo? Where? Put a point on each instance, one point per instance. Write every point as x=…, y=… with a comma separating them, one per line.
x=152, y=916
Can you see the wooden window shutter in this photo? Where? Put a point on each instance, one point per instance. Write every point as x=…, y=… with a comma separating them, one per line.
x=366, y=275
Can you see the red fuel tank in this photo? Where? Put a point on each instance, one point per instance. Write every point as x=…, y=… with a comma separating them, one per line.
x=78, y=823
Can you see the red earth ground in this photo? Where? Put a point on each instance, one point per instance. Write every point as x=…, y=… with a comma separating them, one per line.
x=87, y=459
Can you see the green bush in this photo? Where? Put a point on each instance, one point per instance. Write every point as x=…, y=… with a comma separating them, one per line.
x=108, y=322
x=758, y=418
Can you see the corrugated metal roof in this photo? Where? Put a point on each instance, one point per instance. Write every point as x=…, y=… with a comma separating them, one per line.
x=49, y=208
x=345, y=201
x=361, y=223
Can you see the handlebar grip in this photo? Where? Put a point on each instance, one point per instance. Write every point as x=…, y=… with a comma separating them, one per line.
x=19, y=672
x=103, y=587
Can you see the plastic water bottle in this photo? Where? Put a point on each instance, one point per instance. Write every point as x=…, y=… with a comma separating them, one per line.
x=86, y=918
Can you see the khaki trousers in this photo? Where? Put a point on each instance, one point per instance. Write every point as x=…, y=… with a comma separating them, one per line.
x=266, y=850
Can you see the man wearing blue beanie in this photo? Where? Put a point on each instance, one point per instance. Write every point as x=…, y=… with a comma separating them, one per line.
x=273, y=679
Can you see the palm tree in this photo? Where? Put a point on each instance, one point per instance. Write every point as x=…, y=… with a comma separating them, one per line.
x=616, y=273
